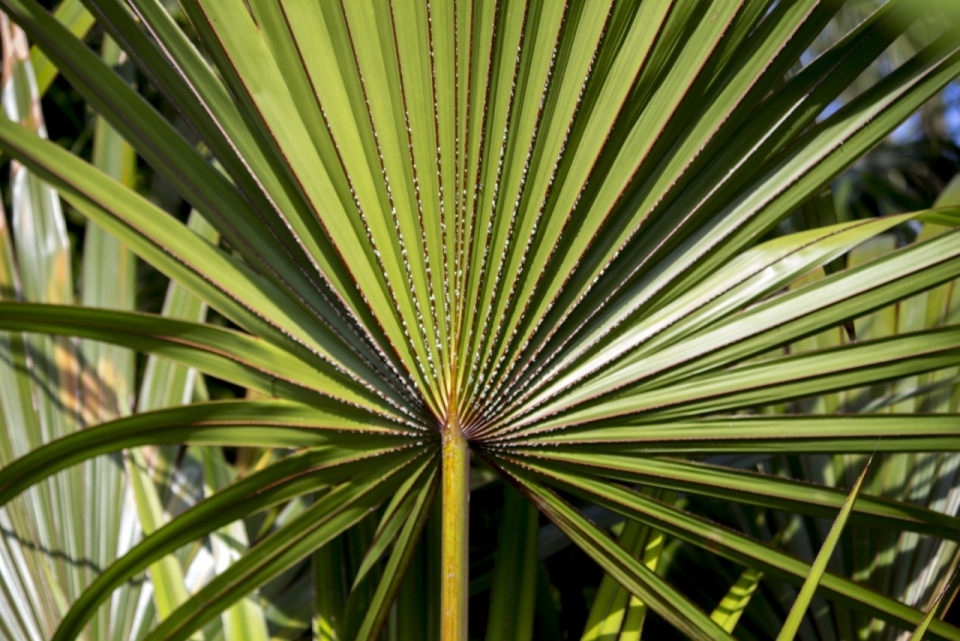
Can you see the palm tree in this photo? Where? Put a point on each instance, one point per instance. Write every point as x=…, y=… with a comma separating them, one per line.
x=536, y=238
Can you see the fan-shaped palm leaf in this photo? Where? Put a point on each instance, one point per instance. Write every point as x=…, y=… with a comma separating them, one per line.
x=534, y=232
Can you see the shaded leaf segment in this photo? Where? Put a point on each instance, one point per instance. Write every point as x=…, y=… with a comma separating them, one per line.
x=736, y=547
x=234, y=423
x=234, y=356
x=286, y=480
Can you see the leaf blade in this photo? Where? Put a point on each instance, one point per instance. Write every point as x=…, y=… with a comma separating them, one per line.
x=799, y=608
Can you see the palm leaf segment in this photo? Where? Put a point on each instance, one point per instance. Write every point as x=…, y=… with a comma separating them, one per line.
x=493, y=227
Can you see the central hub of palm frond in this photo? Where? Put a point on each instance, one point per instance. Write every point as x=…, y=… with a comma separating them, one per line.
x=540, y=234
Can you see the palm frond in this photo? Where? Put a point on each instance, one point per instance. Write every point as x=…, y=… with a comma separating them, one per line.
x=537, y=236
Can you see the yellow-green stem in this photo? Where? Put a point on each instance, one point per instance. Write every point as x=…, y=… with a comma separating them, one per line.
x=454, y=589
